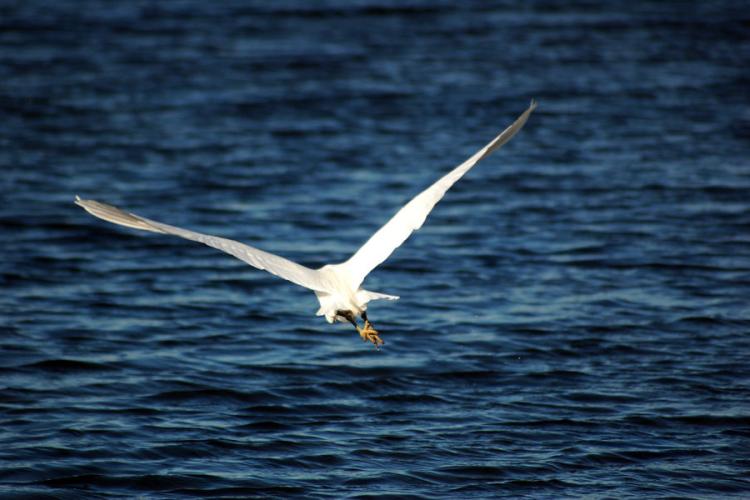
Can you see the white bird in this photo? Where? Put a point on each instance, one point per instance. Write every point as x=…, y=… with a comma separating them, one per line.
x=337, y=286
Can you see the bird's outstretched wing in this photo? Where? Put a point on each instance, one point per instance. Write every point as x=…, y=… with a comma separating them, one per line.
x=411, y=217
x=291, y=271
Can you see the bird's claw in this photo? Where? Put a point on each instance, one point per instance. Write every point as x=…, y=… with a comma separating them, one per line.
x=370, y=334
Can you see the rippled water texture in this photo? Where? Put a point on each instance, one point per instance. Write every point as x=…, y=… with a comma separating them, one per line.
x=574, y=317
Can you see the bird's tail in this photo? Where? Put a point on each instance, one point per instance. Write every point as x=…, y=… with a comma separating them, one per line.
x=365, y=296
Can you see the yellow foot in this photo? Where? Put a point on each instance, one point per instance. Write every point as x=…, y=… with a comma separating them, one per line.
x=370, y=334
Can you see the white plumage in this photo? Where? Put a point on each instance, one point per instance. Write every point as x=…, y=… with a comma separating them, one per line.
x=337, y=286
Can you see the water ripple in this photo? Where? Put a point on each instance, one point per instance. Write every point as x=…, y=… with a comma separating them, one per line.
x=573, y=320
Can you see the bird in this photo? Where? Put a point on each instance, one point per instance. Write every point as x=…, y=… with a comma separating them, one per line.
x=338, y=286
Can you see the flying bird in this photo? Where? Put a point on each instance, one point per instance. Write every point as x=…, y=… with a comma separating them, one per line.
x=337, y=286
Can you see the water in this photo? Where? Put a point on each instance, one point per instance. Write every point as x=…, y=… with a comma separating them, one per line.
x=574, y=318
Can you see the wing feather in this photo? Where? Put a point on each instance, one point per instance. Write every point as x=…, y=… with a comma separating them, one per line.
x=412, y=215
x=279, y=266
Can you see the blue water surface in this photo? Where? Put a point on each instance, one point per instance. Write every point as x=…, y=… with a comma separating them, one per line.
x=574, y=317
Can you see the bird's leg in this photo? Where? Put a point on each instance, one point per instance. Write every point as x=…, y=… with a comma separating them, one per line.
x=367, y=321
x=370, y=333
x=349, y=316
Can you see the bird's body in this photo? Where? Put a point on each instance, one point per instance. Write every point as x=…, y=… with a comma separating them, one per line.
x=344, y=297
x=337, y=286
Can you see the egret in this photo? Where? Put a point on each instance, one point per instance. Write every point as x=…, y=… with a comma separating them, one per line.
x=337, y=286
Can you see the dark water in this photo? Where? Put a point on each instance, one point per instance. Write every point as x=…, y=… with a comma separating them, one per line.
x=574, y=317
